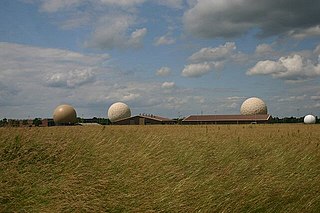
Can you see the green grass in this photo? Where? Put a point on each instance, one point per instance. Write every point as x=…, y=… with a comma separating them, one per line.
x=236, y=168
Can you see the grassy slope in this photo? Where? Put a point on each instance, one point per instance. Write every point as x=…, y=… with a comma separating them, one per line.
x=160, y=168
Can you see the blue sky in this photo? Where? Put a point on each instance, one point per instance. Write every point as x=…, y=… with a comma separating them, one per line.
x=167, y=57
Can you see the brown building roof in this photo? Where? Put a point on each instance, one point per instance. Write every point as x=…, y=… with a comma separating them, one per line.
x=156, y=117
x=213, y=118
x=148, y=116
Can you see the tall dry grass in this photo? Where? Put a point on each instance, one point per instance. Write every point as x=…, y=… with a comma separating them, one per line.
x=237, y=168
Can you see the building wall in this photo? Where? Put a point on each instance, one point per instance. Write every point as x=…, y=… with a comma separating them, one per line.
x=223, y=122
x=137, y=120
x=47, y=122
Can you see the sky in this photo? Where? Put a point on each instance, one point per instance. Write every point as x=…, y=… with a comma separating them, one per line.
x=171, y=58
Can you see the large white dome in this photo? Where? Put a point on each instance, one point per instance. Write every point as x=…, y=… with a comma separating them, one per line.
x=253, y=106
x=309, y=119
x=118, y=111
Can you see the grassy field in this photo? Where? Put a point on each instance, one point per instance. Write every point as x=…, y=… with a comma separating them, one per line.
x=227, y=168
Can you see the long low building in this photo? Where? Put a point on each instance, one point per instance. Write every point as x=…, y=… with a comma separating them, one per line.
x=145, y=119
x=226, y=119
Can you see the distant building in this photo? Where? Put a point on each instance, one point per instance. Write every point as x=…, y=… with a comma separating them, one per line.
x=226, y=119
x=29, y=122
x=47, y=122
x=89, y=124
x=144, y=119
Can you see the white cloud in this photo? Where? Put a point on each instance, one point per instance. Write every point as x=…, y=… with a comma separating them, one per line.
x=232, y=105
x=137, y=37
x=290, y=68
x=207, y=59
x=168, y=85
x=163, y=71
x=115, y=21
x=317, y=51
x=16, y=51
x=14, y=57
x=315, y=97
x=293, y=98
x=55, y=5
x=305, y=33
x=134, y=93
x=220, y=18
x=175, y=102
x=52, y=6
x=33, y=81
x=219, y=53
x=41, y=78
x=264, y=49
x=164, y=40
x=236, y=98
x=78, y=19
x=112, y=31
x=196, y=70
x=71, y=79
x=130, y=97
x=267, y=67
x=232, y=102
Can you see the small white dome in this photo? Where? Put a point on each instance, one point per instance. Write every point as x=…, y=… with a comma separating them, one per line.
x=309, y=119
x=118, y=111
x=253, y=106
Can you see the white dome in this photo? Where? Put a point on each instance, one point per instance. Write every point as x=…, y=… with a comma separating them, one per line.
x=253, y=106
x=65, y=114
x=309, y=119
x=118, y=111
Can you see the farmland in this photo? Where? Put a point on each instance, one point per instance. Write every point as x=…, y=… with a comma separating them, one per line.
x=242, y=168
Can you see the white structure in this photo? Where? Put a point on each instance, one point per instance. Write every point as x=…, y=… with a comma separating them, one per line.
x=309, y=119
x=118, y=111
x=253, y=106
x=65, y=114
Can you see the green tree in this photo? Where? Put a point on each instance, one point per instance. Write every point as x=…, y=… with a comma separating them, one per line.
x=25, y=122
x=37, y=121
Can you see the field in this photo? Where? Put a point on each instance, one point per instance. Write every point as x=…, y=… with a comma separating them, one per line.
x=218, y=168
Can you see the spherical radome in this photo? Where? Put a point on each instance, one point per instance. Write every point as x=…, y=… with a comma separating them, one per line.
x=253, y=106
x=65, y=114
x=118, y=111
x=309, y=119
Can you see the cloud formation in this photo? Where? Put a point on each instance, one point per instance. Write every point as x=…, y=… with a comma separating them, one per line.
x=32, y=70
x=208, y=59
x=52, y=6
x=264, y=49
x=42, y=78
x=116, y=24
x=219, y=53
x=71, y=79
x=197, y=70
x=163, y=71
x=164, y=40
x=290, y=68
x=220, y=18
x=305, y=33
x=112, y=31
x=168, y=85
x=55, y=5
